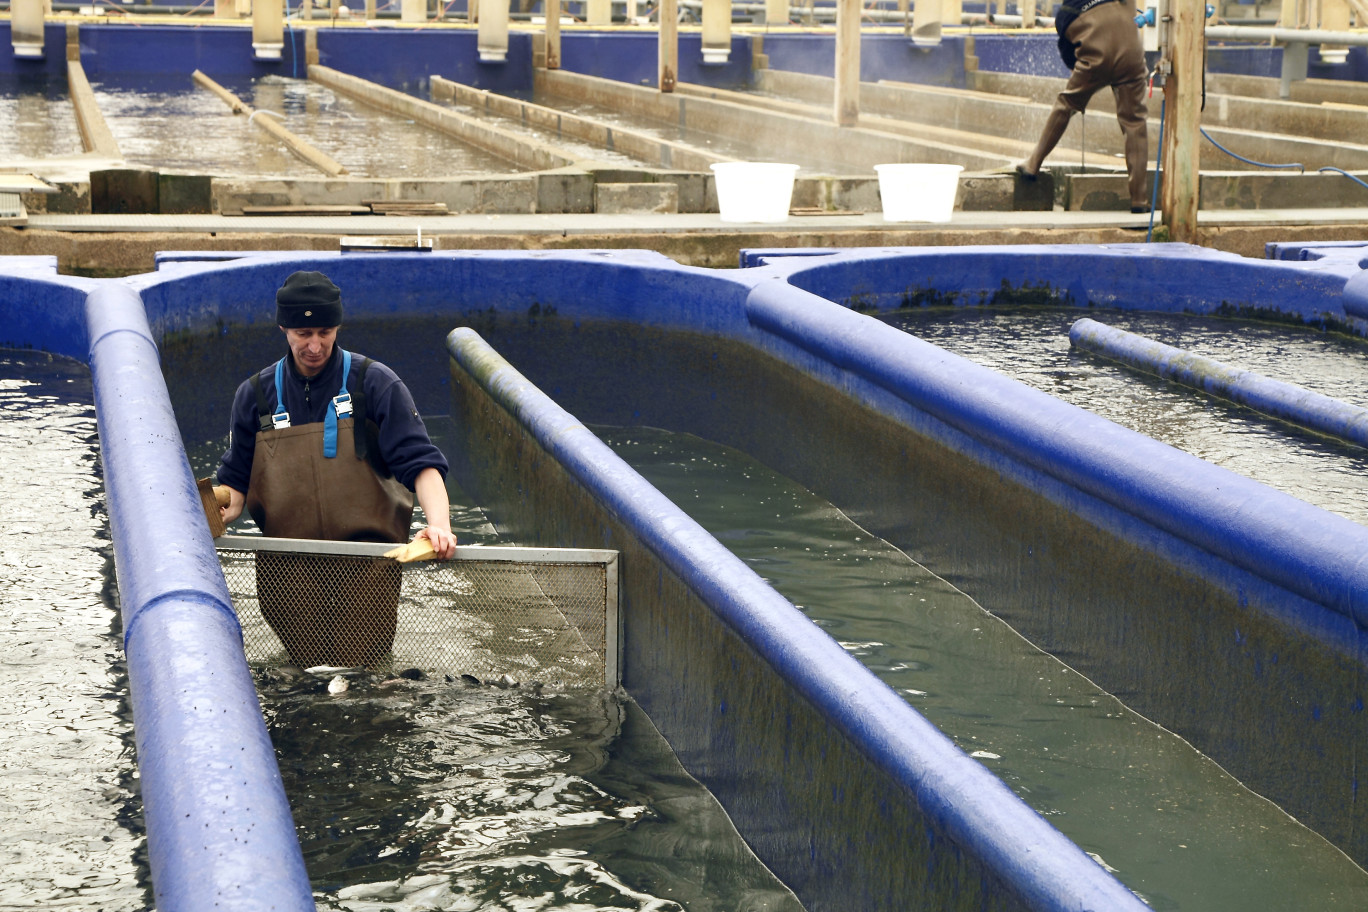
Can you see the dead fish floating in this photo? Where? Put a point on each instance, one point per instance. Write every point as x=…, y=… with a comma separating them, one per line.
x=337, y=685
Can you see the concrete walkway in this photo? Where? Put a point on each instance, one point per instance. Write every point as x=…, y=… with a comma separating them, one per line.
x=104, y=245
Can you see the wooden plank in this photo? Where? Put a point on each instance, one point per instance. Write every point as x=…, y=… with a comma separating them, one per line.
x=306, y=210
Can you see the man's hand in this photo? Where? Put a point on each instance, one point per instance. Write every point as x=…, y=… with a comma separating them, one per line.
x=443, y=542
x=233, y=509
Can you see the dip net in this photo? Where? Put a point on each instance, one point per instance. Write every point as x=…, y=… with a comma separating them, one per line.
x=544, y=615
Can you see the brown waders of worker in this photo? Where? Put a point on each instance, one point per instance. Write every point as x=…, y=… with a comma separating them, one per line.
x=1105, y=42
x=326, y=610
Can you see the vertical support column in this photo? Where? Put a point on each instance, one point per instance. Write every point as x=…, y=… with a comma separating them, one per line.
x=716, y=31
x=952, y=12
x=629, y=11
x=244, y=8
x=1183, y=104
x=225, y=9
x=370, y=10
x=848, y=62
x=305, y=10
x=667, y=47
x=268, y=29
x=492, y=40
x=553, y=44
x=26, y=27
x=413, y=11
x=926, y=22
x=598, y=12
x=1334, y=17
x=1028, y=13
x=1295, y=56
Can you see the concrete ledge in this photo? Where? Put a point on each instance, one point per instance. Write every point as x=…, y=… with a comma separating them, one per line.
x=627, y=198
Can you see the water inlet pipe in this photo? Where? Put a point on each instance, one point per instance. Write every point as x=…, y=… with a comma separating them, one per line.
x=1286, y=401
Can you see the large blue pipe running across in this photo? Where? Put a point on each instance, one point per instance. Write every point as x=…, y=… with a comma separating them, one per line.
x=1272, y=397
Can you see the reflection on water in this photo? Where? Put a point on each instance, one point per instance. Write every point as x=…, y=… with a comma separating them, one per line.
x=425, y=795
x=173, y=124
x=435, y=795
x=1172, y=825
x=71, y=833
x=1032, y=345
x=37, y=119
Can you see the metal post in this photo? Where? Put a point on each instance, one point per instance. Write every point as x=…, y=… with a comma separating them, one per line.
x=777, y=12
x=667, y=47
x=414, y=10
x=1294, y=59
x=848, y=62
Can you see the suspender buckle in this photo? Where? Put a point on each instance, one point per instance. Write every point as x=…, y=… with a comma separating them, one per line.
x=280, y=420
x=342, y=404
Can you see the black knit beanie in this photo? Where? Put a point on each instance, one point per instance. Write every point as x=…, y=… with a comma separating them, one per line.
x=308, y=299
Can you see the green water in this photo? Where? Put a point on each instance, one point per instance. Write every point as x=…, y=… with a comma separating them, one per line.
x=437, y=795
x=1169, y=822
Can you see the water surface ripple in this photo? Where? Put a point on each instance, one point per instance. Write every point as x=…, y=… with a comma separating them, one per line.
x=1170, y=823
x=71, y=834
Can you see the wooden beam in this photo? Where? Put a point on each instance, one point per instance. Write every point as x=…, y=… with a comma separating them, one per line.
x=1182, y=118
x=667, y=47
x=848, y=62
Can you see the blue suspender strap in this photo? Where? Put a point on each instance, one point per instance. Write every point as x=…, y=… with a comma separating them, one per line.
x=341, y=408
x=280, y=418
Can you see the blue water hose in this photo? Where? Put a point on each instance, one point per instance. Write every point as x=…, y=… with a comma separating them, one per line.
x=1345, y=173
x=1158, y=168
x=1250, y=161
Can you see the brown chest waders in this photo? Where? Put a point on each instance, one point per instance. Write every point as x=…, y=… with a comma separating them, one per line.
x=326, y=611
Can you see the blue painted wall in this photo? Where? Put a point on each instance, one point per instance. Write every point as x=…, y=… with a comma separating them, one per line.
x=631, y=57
x=52, y=63
x=404, y=59
x=881, y=57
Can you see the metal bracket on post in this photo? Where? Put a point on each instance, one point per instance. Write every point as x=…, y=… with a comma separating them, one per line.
x=1294, y=58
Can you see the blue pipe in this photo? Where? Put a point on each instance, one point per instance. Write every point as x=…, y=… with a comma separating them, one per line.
x=1272, y=397
x=219, y=831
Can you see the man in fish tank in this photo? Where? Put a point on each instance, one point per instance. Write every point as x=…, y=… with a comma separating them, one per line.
x=327, y=444
x=1099, y=41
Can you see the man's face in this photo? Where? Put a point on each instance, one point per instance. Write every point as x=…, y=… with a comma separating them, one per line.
x=311, y=347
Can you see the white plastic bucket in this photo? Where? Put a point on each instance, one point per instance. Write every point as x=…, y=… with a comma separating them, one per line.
x=754, y=191
x=917, y=192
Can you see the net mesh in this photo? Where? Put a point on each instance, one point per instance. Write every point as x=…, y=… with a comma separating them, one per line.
x=532, y=620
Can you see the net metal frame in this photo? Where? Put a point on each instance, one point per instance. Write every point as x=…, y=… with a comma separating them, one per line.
x=532, y=614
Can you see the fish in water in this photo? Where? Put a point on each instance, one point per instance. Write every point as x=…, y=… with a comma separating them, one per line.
x=337, y=685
